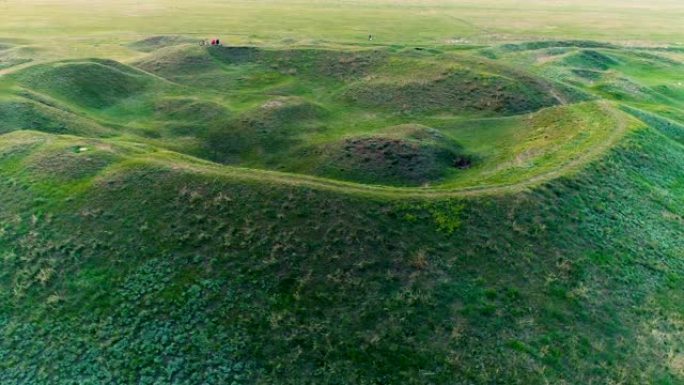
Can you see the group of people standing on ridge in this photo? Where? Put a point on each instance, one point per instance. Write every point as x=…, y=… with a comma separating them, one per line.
x=217, y=42
x=214, y=42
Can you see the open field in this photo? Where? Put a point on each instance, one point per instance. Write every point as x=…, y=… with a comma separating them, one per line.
x=347, y=21
x=487, y=192
x=96, y=28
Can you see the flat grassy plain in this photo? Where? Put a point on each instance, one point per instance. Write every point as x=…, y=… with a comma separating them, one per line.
x=336, y=21
x=96, y=28
x=486, y=193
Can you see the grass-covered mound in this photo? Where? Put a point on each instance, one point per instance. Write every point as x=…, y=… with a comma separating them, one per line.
x=537, y=45
x=152, y=43
x=25, y=114
x=456, y=90
x=235, y=55
x=338, y=64
x=177, y=62
x=94, y=84
x=639, y=75
x=590, y=60
x=408, y=154
x=159, y=269
x=271, y=128
x=229, y=68
x=552, y=141
x=189, y=116
x=196, y=67
x=370, y=78
x=590, y=75
x=627, y=90
x=70, y=160
x=189, y=110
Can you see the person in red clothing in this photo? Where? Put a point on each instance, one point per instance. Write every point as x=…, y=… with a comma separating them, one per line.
x=213, y=41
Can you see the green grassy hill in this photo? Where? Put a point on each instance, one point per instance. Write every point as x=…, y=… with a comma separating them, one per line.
x=333, y=213
x=93, y=84
x=406, y=154
x=124, y=266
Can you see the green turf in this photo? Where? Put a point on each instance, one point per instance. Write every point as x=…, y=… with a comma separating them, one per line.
x=486, y=193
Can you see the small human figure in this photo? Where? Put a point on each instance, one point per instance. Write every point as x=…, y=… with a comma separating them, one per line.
x=370, y=37
x=213, y=41
x=218, y=42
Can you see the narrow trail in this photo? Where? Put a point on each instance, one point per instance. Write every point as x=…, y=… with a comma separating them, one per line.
x=183, y=162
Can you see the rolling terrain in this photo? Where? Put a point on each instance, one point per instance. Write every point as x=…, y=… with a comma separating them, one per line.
x=283, y=210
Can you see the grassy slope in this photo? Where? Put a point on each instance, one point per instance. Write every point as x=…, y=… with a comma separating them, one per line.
x=223, y=281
